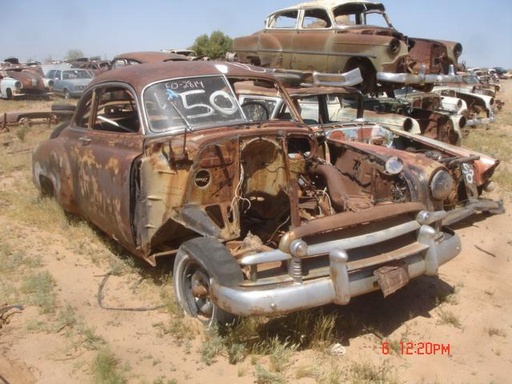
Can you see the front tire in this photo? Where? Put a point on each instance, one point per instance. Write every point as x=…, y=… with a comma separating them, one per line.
x=368, y=73
x=197, y=261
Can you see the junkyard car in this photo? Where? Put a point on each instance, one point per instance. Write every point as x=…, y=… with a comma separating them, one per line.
x=95, y=66
x=189, y=53
x=21, y=81
x=132, y=58
x=465, y=108
x=481, y=101
x=426, y=108
x=262, y=216
x=337, y=36
x=69, y=82
x=339, y=113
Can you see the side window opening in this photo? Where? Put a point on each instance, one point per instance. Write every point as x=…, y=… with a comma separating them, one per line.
x=284, y=20
x=116, y=111
x=315, y=19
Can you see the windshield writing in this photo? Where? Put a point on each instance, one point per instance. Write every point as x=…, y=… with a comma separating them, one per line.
x=191, y=103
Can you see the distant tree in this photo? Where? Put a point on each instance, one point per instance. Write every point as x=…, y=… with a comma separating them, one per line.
x=214, y=47
x=73, y=54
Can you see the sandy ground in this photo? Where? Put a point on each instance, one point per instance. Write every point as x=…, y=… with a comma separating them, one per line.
x=474, y=291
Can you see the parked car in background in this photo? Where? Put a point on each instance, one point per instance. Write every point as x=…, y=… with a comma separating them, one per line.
x=502, y=73
x=95, y=66
x=425, y=109
x=131, y=58
x=22, y=81
x=337, y=36
x=69, y=82
x=262, y=217
x=189, y=53
x=480, y=100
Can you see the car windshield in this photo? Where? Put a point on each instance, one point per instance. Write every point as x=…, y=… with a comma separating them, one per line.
x=191, y=103
x=71, y=75
x=470, y=79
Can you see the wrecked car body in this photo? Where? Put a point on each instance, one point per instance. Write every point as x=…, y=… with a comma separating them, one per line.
x=481, y=103
x=20, y=81
x=424, y=108
x=471, y=171
x=262, y=217
x=338, y=36
x=339, y=114
x=140, y=57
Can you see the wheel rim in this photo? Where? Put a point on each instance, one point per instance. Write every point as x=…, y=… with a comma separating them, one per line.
x=195, y=288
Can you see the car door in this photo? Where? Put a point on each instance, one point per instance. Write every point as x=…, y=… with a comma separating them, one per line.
x=275, y=44
x=310, y=46
x=107, y=140
x=57, y=80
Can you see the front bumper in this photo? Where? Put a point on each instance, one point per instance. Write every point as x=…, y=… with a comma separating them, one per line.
x=345, y=278
x=480, y=121
x=473, y=207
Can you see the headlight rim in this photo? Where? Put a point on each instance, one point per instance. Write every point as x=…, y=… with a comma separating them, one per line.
x=438, y=190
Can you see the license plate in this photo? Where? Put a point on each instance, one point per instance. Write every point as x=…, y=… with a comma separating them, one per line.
x=392, y=277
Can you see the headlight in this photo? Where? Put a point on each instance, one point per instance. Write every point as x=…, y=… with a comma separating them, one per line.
x=394, y=165
x=394, y=46
x=457, y=50
x=441, y=185
x=18, y=85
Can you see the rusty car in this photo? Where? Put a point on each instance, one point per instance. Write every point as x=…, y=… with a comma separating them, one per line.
x=21, y=81
x=95, y=66
x=339, y=113
x=340, y=35
x=465, y=107
x=426, y=108
x=262, y=216
x=141, y=57
x=482, y=102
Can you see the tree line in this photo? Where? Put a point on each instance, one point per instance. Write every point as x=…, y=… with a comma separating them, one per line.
x=214, y=46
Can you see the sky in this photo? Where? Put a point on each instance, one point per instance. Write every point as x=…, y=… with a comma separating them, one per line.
x=38, y=30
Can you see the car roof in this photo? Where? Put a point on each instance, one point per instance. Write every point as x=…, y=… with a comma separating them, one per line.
x=327, y=4
x=142, y=74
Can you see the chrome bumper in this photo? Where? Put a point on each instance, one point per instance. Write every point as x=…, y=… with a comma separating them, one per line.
x=421, y=78
x=480, y=121
x=346, y=279
x=472, y=208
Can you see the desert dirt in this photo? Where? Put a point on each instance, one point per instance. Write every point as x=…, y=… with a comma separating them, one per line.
x=460, y=320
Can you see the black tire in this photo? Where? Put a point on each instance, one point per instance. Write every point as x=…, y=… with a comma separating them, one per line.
x=196, y=262
x=368, y=73
x=8, y=93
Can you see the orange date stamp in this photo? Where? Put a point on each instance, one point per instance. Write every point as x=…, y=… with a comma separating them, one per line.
x=426, y=348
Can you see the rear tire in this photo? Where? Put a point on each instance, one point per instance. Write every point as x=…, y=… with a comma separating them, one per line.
x=197, y=261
